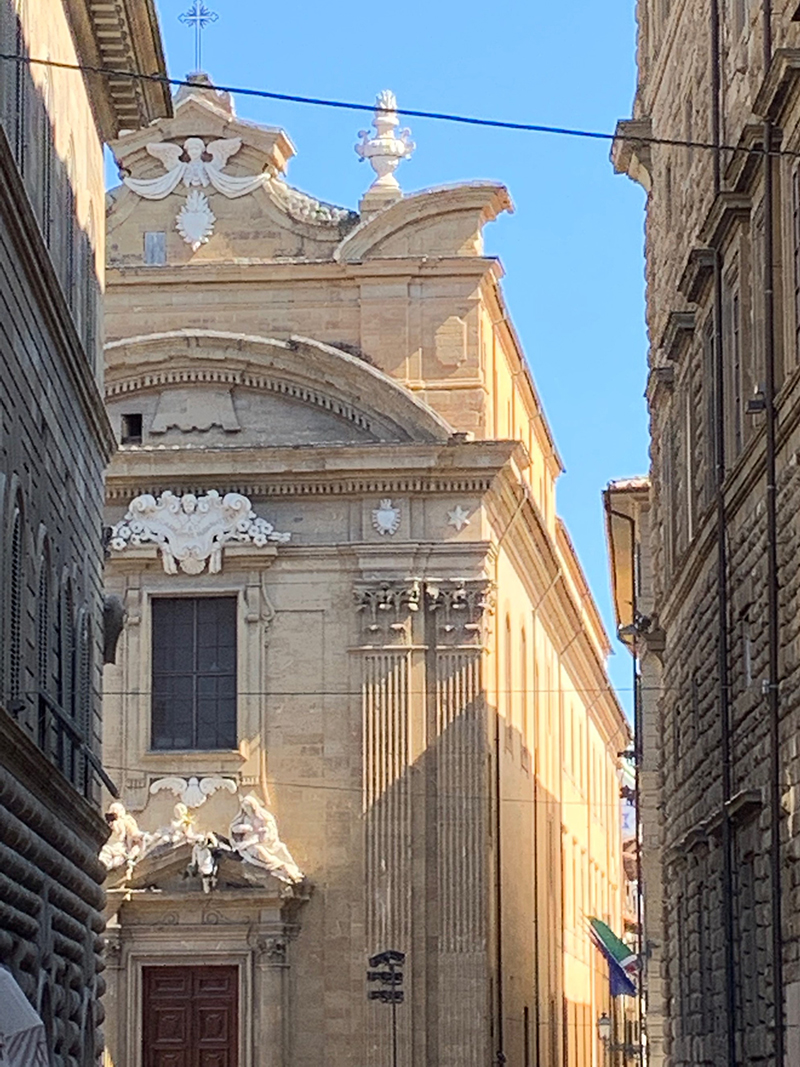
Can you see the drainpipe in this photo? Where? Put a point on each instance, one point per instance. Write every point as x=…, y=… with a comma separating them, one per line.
x=722, y=571
x=773, y=622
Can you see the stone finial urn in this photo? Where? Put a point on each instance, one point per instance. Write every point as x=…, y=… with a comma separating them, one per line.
x=384, y=151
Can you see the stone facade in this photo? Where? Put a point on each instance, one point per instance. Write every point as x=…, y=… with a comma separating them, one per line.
x=421, y=699
x=709, y=330
x=55, y=440
x=627, y=506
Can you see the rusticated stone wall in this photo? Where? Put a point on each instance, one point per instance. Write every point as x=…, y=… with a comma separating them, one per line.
x=693, y=229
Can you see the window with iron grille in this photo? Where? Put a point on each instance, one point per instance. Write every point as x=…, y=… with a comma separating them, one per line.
x=43, y=625
x=15, y=610
x=194, y=673
x=65, y=651
x=20, y=101
x=796, y=256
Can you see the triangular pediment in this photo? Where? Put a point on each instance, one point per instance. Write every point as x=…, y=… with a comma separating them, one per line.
x=207, y=113
x=169, y=870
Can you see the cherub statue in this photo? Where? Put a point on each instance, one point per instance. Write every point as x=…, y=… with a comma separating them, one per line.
x=205, y=860
x=195, y=170
x=254, y=835
x=126, y=843
x=180, y=831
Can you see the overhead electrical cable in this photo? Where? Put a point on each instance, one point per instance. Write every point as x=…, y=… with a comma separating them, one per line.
x=439, y=116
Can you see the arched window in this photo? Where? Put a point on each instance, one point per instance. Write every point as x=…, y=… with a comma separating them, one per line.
x=509, y=676
x=523, y=686
x=66, y=650
x=20, y=94
x=43, y=636
x=15, y=607
x=86, y=686
x=46, y=168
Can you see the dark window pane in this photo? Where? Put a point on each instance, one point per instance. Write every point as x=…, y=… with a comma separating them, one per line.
x=194, y=673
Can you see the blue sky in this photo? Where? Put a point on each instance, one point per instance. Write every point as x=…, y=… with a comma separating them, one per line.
x=572, y=250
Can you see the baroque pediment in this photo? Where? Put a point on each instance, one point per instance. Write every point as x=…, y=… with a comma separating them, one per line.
x=210, y=181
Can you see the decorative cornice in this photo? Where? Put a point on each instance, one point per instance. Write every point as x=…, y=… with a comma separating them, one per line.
x=660, y=379
x=726, y=211
x=780, y=87
x=677, y=333
x=630, y=150
x=271, y=486
x=26, y=236
x=746, y=164
x=696, y=274
x=122, y=36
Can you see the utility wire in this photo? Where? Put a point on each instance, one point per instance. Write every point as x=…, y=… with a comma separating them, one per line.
x=440, y=116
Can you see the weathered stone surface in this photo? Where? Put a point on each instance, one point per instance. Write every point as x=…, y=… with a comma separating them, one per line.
x=691, y=226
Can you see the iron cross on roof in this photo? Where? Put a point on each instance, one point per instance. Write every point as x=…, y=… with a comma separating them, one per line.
x=198, y=16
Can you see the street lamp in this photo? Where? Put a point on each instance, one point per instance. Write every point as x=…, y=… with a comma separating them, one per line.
x=604, y=1028
x=605, y=1031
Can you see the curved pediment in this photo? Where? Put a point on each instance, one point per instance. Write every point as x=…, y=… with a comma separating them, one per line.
x=216, y=388
x=436, y=222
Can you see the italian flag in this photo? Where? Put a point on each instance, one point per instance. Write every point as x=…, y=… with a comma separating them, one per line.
x=623, y=964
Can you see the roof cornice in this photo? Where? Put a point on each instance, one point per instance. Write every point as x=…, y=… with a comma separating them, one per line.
x=121, y=36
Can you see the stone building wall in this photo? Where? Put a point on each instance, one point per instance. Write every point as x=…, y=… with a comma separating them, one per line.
x=54, y=442
x=423, y=704
x=675, y=57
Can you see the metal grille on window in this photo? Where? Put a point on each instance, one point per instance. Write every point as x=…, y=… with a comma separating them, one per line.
x=19, y=102
x=43, y=626
x=66, y=651
x=15, y=610
x=194, y=673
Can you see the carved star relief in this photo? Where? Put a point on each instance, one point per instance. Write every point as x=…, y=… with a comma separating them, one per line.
x=458, y=517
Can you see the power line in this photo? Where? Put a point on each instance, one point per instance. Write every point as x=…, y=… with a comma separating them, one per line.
x=439, y=116
x=546, y=800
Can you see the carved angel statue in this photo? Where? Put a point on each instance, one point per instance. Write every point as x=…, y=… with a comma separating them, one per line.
x=202, y=166
x=254, y=835
x=126, y=842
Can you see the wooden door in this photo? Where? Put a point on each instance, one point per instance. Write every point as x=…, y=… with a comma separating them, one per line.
x=190, y=1017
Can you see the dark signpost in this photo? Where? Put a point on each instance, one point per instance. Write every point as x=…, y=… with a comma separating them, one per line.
x=387, y=970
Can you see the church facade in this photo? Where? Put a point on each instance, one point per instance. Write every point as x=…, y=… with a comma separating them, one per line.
x=359, y=704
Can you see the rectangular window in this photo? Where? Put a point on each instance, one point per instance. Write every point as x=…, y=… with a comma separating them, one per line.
x=155, y=248
x=131, y=429
x=736, y=359
x=194, y=673
x=710, y=414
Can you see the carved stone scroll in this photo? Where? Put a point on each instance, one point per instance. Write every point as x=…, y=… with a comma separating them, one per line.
x=192, y=531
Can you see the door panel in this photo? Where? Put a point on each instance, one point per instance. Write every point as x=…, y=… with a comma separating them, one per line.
x=190, y=1017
